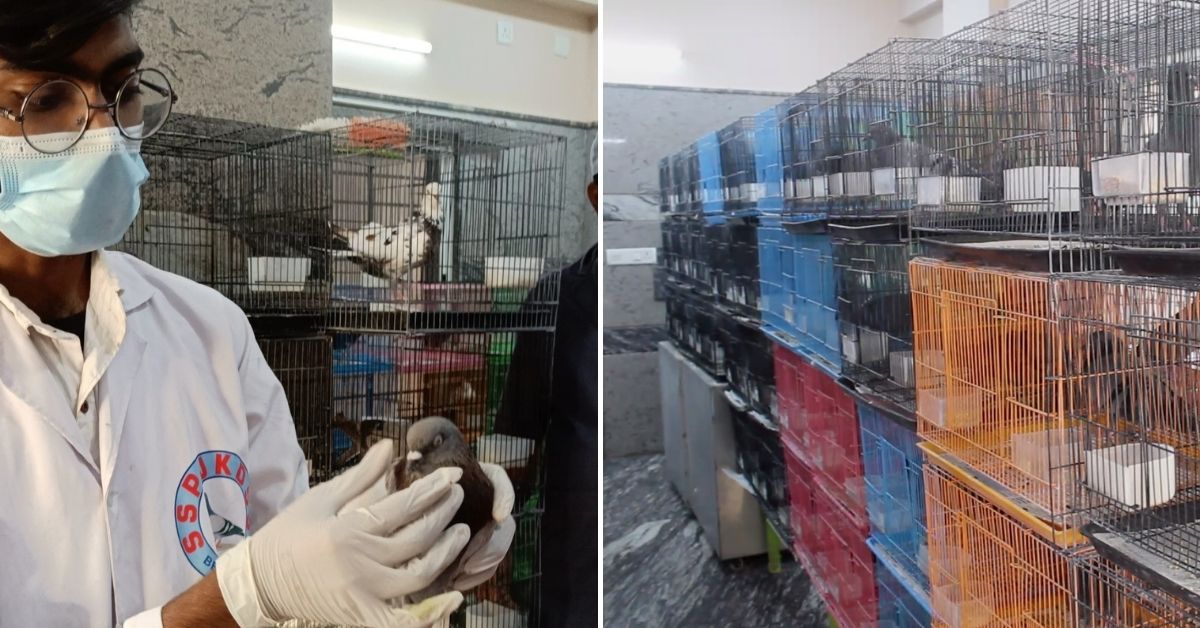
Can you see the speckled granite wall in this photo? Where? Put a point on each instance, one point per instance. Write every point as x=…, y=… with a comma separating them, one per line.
x=629, y=290
x=264, y=61
x=641, y=126
x=631, y=376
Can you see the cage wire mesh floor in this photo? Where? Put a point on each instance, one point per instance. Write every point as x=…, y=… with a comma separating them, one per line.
x=390, y=270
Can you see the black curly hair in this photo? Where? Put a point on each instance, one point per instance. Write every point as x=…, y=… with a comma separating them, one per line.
x=37, y=34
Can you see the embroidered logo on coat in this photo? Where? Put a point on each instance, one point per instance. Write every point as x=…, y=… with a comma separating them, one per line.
x=211, y=506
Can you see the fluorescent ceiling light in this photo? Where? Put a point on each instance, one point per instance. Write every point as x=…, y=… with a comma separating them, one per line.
x=614, y=140
x=381, y=40
x=638, y=55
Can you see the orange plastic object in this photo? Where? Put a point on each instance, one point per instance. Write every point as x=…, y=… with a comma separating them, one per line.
x=985, y=568
x=385, y=134
x=987, y=353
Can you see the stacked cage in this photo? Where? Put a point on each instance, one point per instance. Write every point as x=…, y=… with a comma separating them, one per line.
x=1000, y=133
x=244, y=209
x=991, y=568
x=448, y=228
x=875, y=308
x=830, y=543
x=1068, y=389
x=810, y=298
x=895, y=493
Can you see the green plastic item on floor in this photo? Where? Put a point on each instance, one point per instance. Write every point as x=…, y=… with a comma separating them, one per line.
x=774, y=547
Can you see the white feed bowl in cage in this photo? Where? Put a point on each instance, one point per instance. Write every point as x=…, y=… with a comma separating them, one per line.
x=492, y=615
x=948, y=190
x=512, y=272
x=278, y=274
x=837, y=184
x=892, y=181
x=371, y=281
x=950, y=411
x=1140, y=475
x=1140, y=175
x=820, y=186
x=803, y=188
x=902, y=369
x=506, y=451
x=857, y=183
x=1042, y=189
x=758, y=191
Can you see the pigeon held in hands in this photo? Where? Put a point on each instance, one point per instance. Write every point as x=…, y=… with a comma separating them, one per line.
x=434, y=443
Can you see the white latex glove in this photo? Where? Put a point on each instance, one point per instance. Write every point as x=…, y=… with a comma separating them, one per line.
x=322, y=562
x=481, y=564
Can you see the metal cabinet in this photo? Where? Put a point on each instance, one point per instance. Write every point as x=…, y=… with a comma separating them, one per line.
x=701, y=458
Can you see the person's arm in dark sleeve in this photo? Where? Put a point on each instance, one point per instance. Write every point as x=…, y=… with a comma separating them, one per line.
x=525, y=405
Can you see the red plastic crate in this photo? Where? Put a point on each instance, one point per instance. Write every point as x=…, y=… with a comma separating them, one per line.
x=835, y=555
x=821, y=420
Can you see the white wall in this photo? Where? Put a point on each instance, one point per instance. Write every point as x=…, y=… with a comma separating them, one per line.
x=468, y=67
x=935, y=18
x=767, y=45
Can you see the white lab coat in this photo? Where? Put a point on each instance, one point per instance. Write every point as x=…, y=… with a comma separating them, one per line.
x=92, y=542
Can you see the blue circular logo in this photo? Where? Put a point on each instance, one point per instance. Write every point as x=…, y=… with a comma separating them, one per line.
x=194, y=511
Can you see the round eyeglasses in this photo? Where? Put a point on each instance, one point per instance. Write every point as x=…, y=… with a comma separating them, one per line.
x=55, y=115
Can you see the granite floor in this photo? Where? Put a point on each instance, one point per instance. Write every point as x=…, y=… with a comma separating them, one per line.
x=659, y=571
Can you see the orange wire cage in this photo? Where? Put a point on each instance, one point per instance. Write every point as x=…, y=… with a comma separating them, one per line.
x=988, y=568
x=986, y=353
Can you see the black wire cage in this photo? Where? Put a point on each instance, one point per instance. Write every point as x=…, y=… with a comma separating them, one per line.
x=875, y=307
x=439, y=282
x=239, y=207
x=736, y=146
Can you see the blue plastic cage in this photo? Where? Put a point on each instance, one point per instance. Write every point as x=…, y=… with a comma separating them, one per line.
x=775, y=276
x=712, y=183
x=768, y=162
x=901, y=603
x=355, y=389
x=814, y=294
x=895, y=488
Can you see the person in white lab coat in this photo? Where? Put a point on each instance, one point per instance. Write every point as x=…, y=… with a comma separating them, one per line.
x=150, y=470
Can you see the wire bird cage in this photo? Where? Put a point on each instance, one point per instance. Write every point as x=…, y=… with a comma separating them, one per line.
x=986, y=354
x=1141, y=122
x=445, y=230
x=304, y=366
x=241, y=208
x=818, y=420
x=1000, y=124
x=749, y=367
x=863, y=119
x=875, y=308
x=734, y=265
x=738, y=171
x=446, y=224
x=768, y=162
x=805, y=188
x=760, y=460
x=1130, y=357
x=830, y=545
x=1110, y=596
x=895, y=491
x=988, y=568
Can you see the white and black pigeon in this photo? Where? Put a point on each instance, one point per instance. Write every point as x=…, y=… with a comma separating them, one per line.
x=393, y=252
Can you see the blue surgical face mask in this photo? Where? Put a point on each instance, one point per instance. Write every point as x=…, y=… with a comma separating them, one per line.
x=77, y=201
